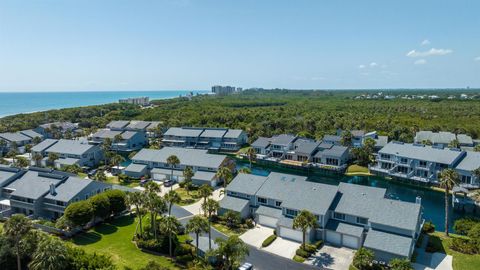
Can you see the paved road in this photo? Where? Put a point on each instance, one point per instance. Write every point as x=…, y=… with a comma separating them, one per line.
x=261, y=260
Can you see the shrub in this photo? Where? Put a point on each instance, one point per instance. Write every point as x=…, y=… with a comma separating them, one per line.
x=463, y=246
x=463, y=225
x=183, y=249
x=249, y=223
x=81, y=260
x=184, y=259
x=428, y=227
x=269, y=240
x=302, y=253
x=363, y=258
x=79, y=213
x=474, y=234
x=310, y=248
x=318, y=244
x=117, y=200
x=152, y=265
x=298, y=259
x=149, y=244
x=400, y=264
x=101, y=205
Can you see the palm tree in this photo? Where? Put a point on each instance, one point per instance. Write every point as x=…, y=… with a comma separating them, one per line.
x=37, y=158
x=15, y=229
x=13, y=154
x=205, y=191
x=106, y=146
x=172, y=197
x=36, y=140
x=197, y=225
x=251, y=154
x=135, y=199
x=346, y=139
x=233, y=250
x=225, y=175
x=304, y=221
x=156, y=205
x=51, y=254
x=116, y=160
x=170, y=225
x=21, y=162
x=448, y=179
x=52, y=157
x=3, y=145
x=454, y=144
x=187, y=175
x=476, y=173
x=172, y=161
x=210, y=207
x=116, y=139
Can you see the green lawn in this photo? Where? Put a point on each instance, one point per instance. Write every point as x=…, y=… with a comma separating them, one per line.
x=357, y=170
x=460, y=261
x=227, y=231
x=187, y=199
x=114, y=239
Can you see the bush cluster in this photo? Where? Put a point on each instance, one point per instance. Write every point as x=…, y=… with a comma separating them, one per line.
x=269, y=240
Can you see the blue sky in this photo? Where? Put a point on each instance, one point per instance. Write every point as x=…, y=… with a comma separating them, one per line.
x=187, y=44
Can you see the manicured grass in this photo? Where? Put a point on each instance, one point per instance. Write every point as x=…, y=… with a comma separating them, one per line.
x=115, y=239
x=227, y=231
x=187, y=199
x=116, y=181
x=357, y=170
x=460, y=261
x=298, y=259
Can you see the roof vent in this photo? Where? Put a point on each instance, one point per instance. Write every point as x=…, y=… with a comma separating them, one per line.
x=418, y=200
x=52, y=189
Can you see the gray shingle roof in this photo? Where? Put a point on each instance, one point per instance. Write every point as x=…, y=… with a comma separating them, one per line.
x=106, y=133
x=387, y=242
x=32, y=185
x=470, y=162
x=306, y=147
x=261, y=142
x=42, y=146
x=464, y=139
x=381, y=141
x=136, y=168
x=283, y=139
x=118, y=124
x=233, y=203
x=14, y=137
x=188, y=157
x=357, y=133
x=138, y=125
x=269, y=211
x=422, y=152
x=334, y=151
x=332, y=138
x=72, y=147
x=6, y=174
x=62, y=125
x=233, y=133
x=30, y=133
x=71, y=187
x=344, y=228
x=183, y=132
x=205, y=176
x=246, y=183
x=213, y=133
x=440, y=137
x=127, y=135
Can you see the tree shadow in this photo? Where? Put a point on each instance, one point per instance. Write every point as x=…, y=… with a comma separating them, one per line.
x=323, y=260
x=123, y=221
x=105, y=229
x=86, y=238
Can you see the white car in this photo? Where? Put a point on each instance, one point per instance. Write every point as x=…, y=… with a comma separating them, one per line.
x=246, y=266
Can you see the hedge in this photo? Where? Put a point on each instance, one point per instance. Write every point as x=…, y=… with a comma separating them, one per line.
x=269, y=240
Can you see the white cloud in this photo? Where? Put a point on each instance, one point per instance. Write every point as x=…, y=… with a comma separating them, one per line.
x=425, y=42
x=361, y=66
x=420, y=62
x=373, y=64
x=477, y=59
x=431, y=52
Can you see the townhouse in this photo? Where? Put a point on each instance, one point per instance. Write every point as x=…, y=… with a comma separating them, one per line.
x=154, y=162
x=443, y=139
x=423, y=163
x=69, y=152
x=58, y=130
x=348, y=215
x=205, y=138
x=14, y=141
x=123, y=141
x=150, y=128
x=44, y=193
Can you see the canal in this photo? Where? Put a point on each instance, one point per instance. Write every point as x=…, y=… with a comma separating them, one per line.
x=432, y=201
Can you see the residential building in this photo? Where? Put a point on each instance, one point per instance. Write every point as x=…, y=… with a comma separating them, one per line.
x=332, y=139
x=423, y=163
x=142, y=101
x=124, y=141
x=58, y=130
x=16, y=141
x=45, y=193
x=442, y=138
x=347, y=215
x=205, y=138
x=223, y=90
x=70, y=152
x=154, y=162
x=330, y=155
x=358, y=138
x=150, y=128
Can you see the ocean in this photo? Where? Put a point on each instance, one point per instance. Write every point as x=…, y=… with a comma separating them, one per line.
x=25, y=102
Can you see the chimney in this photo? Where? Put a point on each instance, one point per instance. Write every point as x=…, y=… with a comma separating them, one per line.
x=52, y=189
x=418, y=200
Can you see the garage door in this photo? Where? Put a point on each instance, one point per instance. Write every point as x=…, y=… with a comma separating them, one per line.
x=291, y=234
x=334, y=238
x=350, y=241
x=267, y=221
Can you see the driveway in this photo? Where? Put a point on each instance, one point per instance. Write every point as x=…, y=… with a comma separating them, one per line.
x=282, y=247
x=196, y=208
x=256, y=236
x=328, y=257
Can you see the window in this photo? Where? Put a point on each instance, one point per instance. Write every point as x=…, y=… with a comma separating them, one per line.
x=339, y=216
x=361, y=220
x=290, y=212
x=261, y=200
x=422, y=163
x=277, y=203
x=403, y=160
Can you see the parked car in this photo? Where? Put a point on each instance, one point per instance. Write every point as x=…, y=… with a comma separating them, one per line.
x=144, y=182
x=168, y=183
x=246, y=266
x=92, y=173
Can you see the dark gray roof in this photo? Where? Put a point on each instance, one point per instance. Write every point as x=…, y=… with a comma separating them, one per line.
x=306, y=147
x=470, y=162
x=334, y=151
x=269, y=211
x=283, y=139
x=118, y=124
x=325, y=145
x=7, y=174
x=344, y=228
x=72, y=147
x=233, y=203
x=32, y=185
x=332, y=138
x=188, y=157
x=127, y=135
x=261, y=142
x=183, y=132
x=422, y=152
x=464, y=139
x=138, y=125
x=30, y=133
x=205, y=176
x=71, y=187
x=233, y=133
x=357, y=133
x=42, y=146
x=106, y=133
x=213, y=133
x=62, y=125
x=14, y=137
x=388, y=242
x=246, y=183
x=136, y=168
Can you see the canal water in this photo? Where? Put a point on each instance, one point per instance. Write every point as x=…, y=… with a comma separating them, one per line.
x=433, y=202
